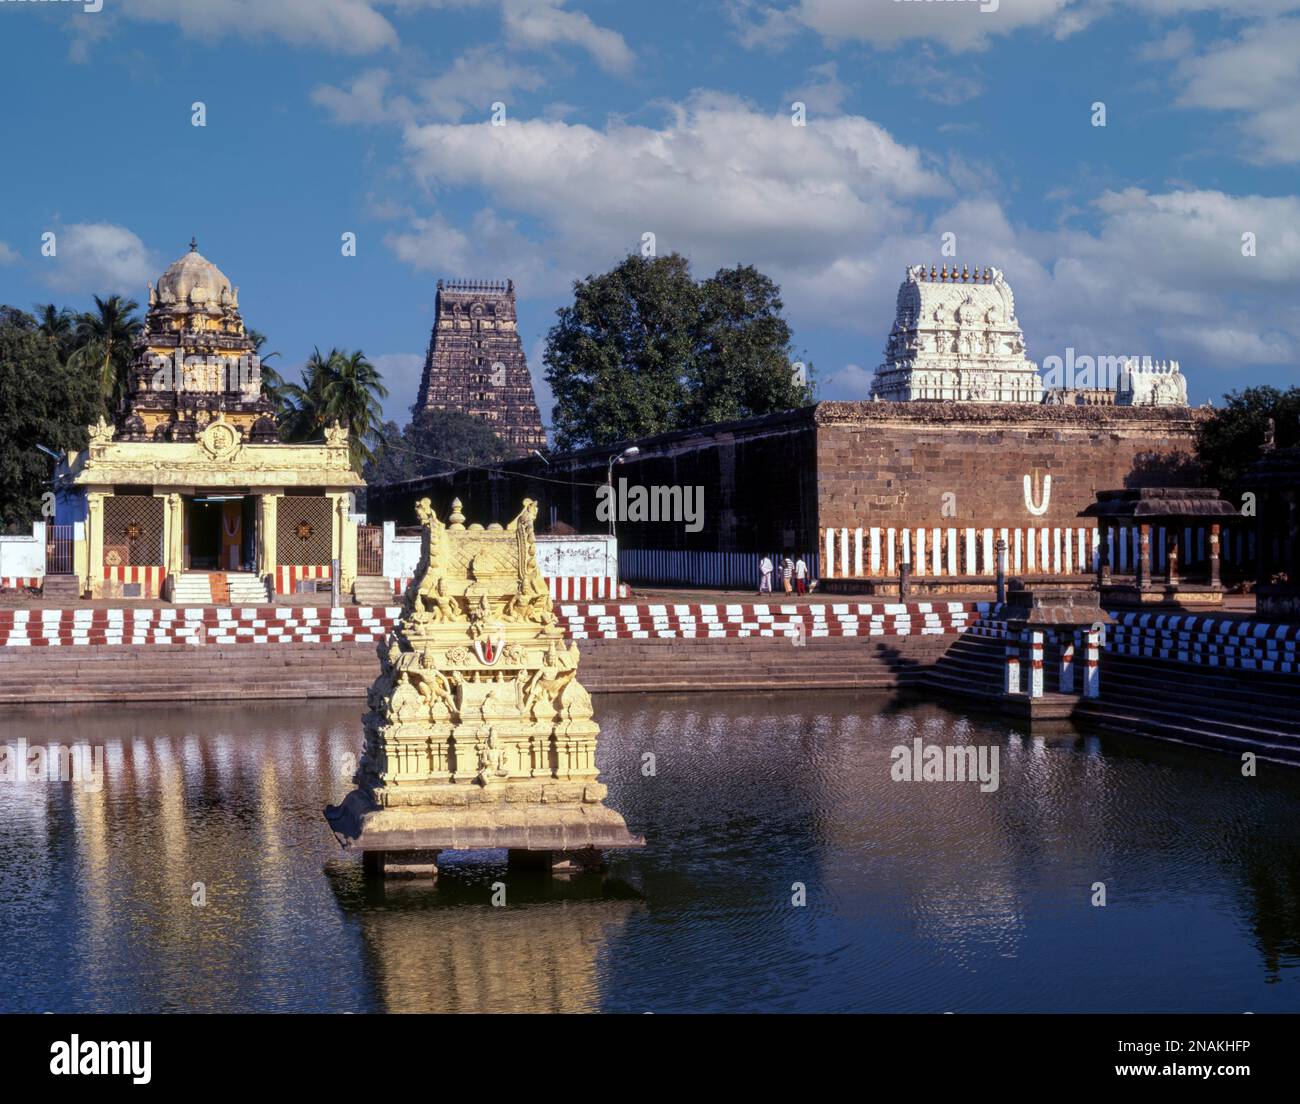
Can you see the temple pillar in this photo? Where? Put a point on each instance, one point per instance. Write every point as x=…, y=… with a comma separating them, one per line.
x=266, y=536
x=1175, y=537
x=345, y=541
x=1092, y=665
x=1011, y=680
x=1103, y=554
x=95, y=540
x=1066, y=680
x=1144, y=557
x=173, y=535
x=1214, y=553
x=1035, y=665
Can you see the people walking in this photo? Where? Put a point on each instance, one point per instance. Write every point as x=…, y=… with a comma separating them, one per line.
x=800, y=576
x=787, y=574
x=765, y=569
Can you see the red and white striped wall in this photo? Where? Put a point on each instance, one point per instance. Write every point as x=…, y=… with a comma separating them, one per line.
x=19, y=582
x=565, y=588
x=288, y=576
x=199, y=626
x=750, y=619
x=150, y=578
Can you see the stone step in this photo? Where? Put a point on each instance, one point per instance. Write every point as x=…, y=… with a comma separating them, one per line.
x=1192, y=732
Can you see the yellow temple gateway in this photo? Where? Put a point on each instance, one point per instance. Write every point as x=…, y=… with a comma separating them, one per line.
x=479, y=734
x=190, y=494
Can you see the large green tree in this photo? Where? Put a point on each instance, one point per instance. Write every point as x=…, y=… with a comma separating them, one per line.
x=42, y=402
x=434, y=441
x=102, y=343
x=1229, y=442
x=645, y=349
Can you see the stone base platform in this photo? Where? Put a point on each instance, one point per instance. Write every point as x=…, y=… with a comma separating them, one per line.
x=409, y=835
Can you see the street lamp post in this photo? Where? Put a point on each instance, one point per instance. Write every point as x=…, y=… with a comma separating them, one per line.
x=609, y=481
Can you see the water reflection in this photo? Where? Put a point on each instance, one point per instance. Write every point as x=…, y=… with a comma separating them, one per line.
x=438, y=949
x=201, y=875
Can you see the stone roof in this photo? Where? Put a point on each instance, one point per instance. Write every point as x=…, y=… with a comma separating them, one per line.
x=1160, y=502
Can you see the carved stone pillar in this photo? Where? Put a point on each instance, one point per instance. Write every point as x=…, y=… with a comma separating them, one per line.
x=1144, y=557
x=345, y=542
x=173, y=535
x=1103, y=554
x=1175, y=536
x=1214, y=553
x=94, y=583
x=266, y=535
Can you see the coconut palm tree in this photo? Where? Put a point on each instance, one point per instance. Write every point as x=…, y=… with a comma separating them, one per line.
x=273, y=384
x=103, y=339
x=302, y=403
x=351, y=396
x=58, y=324
x=336, y=386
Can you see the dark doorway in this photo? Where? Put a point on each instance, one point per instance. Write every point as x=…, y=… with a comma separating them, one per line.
x=204, y=535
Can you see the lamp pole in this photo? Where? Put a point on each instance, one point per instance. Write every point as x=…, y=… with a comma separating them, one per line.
x=617, y=458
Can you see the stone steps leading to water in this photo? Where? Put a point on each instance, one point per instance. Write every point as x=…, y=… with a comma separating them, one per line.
x=213, y=672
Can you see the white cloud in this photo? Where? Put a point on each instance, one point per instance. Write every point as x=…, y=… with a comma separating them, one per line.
x=826, y=92
x=1257, y=74
x=962, y=25
x=534, y=24
x=98, y=258
x=850, y=382
x=474, y=81
x=401, y=374
x=717, y=179
x=959, y=26
x=364, y=101
x=836, y=211
x=1176, y=44
x=8, y=255
x=493, y=248
x=347, y=26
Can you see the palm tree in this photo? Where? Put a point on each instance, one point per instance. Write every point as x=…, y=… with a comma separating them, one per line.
x=273, y=385
x=56, y=323
x=336, y=386
x=352, y=395
x=302, y=403
x=103, y=339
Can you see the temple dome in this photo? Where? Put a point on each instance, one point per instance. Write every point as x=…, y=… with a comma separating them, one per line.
x=196, y=279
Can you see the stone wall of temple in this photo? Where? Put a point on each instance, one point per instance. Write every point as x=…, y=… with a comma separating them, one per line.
x=818, y=481
x=756, y=483
x=892, y=464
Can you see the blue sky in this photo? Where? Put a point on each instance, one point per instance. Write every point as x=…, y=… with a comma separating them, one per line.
x=329, y=116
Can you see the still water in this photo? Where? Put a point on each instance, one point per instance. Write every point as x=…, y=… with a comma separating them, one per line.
x=920, y=896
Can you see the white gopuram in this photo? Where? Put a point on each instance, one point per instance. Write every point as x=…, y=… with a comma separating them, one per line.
x=1151, y=383
x=956, y=337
